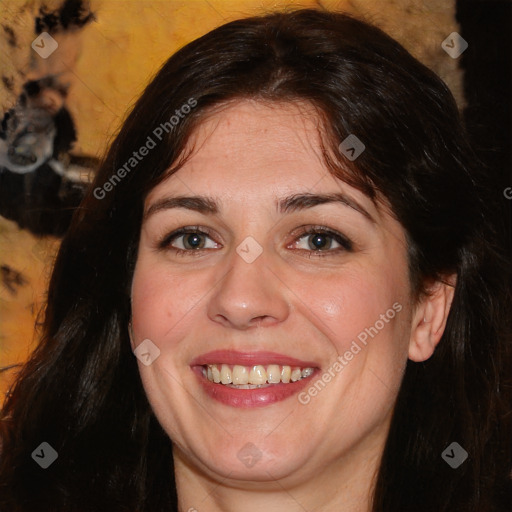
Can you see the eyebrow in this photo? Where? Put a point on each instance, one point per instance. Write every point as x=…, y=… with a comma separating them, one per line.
x=296, y=202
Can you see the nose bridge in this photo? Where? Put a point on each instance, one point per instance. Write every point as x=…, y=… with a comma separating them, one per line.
x=249, y=293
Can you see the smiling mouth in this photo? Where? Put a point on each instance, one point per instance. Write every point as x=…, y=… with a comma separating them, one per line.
x=247, y=379
x=254, y=376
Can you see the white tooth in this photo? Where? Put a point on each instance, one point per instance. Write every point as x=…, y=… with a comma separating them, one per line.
x=225, y=374
x=209, y=374
x=240, y=375
x=258, y=375
x=306, y=372
x=286, y=373
x=248, y=386
x=296, y=373
x=273, y=373
x=215, y=373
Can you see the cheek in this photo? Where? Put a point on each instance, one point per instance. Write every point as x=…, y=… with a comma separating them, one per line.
x=151, y=309
x=164, y=302
x=350, y=303
x=160, y=301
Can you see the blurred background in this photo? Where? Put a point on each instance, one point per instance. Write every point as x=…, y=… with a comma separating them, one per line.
x=71, y=69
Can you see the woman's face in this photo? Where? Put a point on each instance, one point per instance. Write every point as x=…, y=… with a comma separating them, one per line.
x=247, y=293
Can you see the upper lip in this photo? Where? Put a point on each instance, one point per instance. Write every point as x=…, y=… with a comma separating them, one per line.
x=250, y=359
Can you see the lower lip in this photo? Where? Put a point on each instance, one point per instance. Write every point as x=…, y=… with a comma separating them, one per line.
x=248, y=398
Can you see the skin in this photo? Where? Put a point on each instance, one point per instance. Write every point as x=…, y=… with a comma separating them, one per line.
x=322, y=455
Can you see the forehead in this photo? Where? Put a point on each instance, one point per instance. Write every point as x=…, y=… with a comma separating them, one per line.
x=249, y=145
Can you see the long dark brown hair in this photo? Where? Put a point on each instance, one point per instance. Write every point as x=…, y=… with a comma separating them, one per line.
x=81, y=391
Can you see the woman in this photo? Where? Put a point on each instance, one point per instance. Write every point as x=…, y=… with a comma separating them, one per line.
x=292, y=235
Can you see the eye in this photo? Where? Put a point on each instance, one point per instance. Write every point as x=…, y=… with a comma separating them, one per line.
x=188, y=240
x=319, y=239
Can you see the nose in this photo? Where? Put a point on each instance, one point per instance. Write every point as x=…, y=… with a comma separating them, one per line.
x=249, y=295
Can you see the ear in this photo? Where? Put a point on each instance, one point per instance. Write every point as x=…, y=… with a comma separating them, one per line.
x=429, y=319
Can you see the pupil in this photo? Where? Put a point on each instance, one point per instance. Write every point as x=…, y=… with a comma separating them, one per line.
x=196, y=240
x=319, y=241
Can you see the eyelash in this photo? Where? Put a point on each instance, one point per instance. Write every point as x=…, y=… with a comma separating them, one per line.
x=345, y=243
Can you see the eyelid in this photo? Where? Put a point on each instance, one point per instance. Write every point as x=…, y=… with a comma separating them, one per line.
x=340, y=238
x=166, y=240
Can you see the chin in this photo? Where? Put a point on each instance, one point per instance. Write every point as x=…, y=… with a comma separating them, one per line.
x=246, y=460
